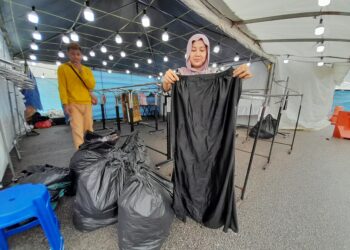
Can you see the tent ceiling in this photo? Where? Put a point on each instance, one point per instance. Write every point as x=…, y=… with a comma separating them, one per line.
x=287, y=27
x=58, y=17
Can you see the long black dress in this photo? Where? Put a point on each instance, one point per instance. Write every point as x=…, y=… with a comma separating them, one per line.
x=204, y=109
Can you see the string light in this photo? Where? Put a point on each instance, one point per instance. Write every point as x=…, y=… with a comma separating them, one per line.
x=103, y=49
x=92, y=53
x=136, y=65
x=32, y=57
x=319, y=30
x=320, y=47
x=36, y=34
x=74, y=36
x=217, y=48
x=214, y=65
x=160, y=73
x=222, y=68
x=34, y=46
x=249, y=63
x=149, y=61
x=139, y=43
x=111, y=57
x=104, y=63
x=286, y=60
x=65, y=39
x=158, y=77
x=236, y=58
x=58, y=63
x=109, y=71
x=122, y=54
x=60, y=54
x=127, y=71
x=320, y=63
x=85, y=58
x=146, y=22
x=88, y=13
x=165, y=35
x=118, y=39
x=165, y=59
x=33, y=16
x=323, y=3
x=149, y=76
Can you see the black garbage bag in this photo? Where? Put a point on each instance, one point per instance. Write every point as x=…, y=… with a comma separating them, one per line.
x=145, y=212
x=267, y=129
x=58, y=180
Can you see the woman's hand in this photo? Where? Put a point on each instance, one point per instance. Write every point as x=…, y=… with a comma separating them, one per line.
x=242, y=72
x=169, y=78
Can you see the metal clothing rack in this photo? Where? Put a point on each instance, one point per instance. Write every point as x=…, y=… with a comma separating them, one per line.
x=283, y=103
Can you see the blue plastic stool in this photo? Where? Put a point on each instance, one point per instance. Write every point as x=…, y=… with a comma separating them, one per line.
x=23, y=202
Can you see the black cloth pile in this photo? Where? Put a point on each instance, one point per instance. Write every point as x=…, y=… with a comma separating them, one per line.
x=115, y=182
x=267, y=129
x=204, y=109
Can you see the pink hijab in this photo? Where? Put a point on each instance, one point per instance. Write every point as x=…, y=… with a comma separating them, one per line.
x=188, y=70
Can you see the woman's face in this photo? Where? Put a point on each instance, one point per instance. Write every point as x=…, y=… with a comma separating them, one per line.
x=198, y=54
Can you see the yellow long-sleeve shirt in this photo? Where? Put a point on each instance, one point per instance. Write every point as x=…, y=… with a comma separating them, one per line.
x=71, y=88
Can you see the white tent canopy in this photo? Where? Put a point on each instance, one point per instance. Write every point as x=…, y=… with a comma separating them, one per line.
x=285, y=29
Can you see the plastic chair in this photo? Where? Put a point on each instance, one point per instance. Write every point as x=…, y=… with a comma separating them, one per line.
x=334, y=117
x=28, y=202
x=342, y=127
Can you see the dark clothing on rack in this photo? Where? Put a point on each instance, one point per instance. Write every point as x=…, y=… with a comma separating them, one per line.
x=204, y=109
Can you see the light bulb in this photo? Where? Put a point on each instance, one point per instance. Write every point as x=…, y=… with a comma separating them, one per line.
x=165, y=36
x=146, y=22
x=248, y=64
x=36, y=34
x=109, y=71
x=185, y=56
x=104, y=63
x=222, y=68
x=118, y=39
x=103, y=49
x=149, y=61
x=32, y=57
x=85, y=58
x=320, y=63
x=58, y=63
x=319, y=30
x=61, y=54
x=160, y=73
x=92, y=53
x=216, y=49
x=111, y=57
x=88, y=13
x=286, y=60
x=33, y=16
x=236, y=58
x=65, y=39
x=320, y=48
x=136, y=65
x=139, y=43
x=34, y=46
x=127, y=71
x=149, y=76
x=214, y=65
x=74, y=36
x=165, y=59
x=323, y=3
x=122, y=54
x=158, y=77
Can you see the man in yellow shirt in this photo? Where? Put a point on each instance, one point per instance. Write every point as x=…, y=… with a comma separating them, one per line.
x=75, y=82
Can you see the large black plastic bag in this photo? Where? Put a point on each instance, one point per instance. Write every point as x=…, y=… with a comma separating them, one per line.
x=145, y=212
x=58, y=180
x=267, y=129
x=204, y=109
x=100, y=173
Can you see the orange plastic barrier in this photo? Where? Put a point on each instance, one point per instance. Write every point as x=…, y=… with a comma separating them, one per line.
x=337, y=109
x=342, y=126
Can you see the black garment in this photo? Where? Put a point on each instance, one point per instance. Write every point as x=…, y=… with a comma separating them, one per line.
x=204, y=109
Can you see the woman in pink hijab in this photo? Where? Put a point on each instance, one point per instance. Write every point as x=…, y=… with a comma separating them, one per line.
x=197, y=62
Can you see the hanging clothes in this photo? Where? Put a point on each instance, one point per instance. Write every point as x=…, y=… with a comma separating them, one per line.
x=204, y=109
x=136, y=108
x=142, y=99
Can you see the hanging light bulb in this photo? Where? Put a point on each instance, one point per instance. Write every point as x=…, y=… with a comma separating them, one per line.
x=118, y=38
x=111, y=57
x=320, y=63
x=236, y=58
x=32, y=57
x=122, y=54
x=33, y=16
x=158, y=77
x=139, y=43
x=136, y=65
x=320, y=47
x=60, y=54
x=74, y=36
x=85, y=58
x=104, y=63
x=165, y=59
x=92, y=53
x=286, y=60
x=249, y=63
x=127, y=71
x=149, y=76
x=319, y=30
x=214, y=65
x=217, y=48
x=36, y=34
x=160, y=73
x=149, y=61
x=88, y=13
x=222, y=68
x=109, y=71
x=58, y=63
x=165, y=35
x=103, y=49
x=146, y=22
x=65, y=39
x=323, y=3
x=34, y=46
